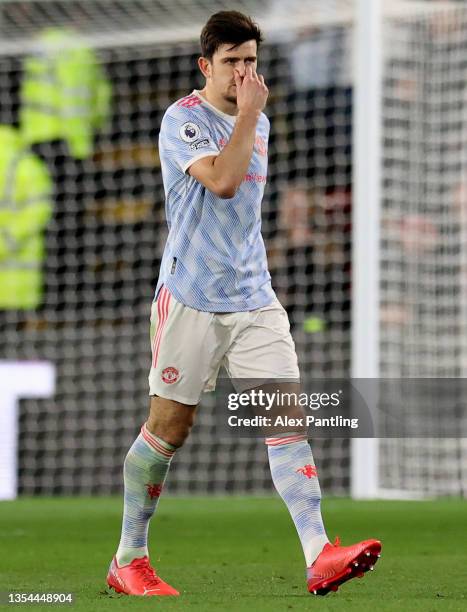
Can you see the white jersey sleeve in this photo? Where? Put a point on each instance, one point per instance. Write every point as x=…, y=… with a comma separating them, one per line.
x=185, y=136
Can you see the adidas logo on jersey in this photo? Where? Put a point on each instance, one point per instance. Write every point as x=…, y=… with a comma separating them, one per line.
x=189, y=101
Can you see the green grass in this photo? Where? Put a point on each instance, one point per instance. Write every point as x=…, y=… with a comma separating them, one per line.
x=236, y=554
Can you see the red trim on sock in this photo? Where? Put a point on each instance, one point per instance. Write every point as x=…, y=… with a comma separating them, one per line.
x=286, y=440
x=155, y=444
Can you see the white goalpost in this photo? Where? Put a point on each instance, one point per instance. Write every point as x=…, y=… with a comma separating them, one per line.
x=366, y=226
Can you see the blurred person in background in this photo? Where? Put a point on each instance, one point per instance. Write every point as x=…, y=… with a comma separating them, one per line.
x=315, y=163
x=317, y=94
x=26, y=194
x=309, y=258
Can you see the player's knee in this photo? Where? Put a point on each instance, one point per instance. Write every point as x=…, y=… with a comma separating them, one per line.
x=178, y=431
x=170, y=430
x=171, y=421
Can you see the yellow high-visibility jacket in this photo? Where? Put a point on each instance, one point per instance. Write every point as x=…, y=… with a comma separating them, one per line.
x=64, y=93
x=25, y=209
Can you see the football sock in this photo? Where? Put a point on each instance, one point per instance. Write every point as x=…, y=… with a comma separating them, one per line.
x=145, y=468
x=295, y=477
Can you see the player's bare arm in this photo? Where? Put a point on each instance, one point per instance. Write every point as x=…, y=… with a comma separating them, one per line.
x=223, y=174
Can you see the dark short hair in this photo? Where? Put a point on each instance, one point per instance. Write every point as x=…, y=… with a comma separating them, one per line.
x=228, y=27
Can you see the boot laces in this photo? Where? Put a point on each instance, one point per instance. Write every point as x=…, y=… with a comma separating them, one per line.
x=148, y=572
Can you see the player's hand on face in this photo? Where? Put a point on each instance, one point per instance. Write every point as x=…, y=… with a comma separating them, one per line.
x=252, y=92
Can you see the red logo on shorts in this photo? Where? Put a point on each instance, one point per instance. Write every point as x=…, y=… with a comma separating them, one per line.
x=170, y=375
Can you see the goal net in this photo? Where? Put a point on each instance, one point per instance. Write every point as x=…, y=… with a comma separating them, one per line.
x=423, y=240
x=104, y=239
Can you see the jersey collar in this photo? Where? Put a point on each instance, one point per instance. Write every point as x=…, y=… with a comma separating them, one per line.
x=230, y=118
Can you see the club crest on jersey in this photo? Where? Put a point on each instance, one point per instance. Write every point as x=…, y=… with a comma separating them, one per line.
x=170, y=375
x=189, y=132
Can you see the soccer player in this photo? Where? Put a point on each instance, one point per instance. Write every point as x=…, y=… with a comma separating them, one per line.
x=214, y=305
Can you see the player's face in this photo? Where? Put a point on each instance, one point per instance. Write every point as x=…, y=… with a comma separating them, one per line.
x=224, y=61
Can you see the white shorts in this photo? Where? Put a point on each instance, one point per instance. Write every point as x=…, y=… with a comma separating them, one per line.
x=189, y=347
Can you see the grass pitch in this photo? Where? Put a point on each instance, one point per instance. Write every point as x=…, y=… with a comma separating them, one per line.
x=236, y=554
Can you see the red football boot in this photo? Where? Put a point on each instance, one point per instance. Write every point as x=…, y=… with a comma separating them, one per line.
x=137, y=578
x=336, y=564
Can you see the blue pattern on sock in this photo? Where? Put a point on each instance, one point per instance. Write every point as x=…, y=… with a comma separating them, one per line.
x=143, y=465
x=301, y=494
